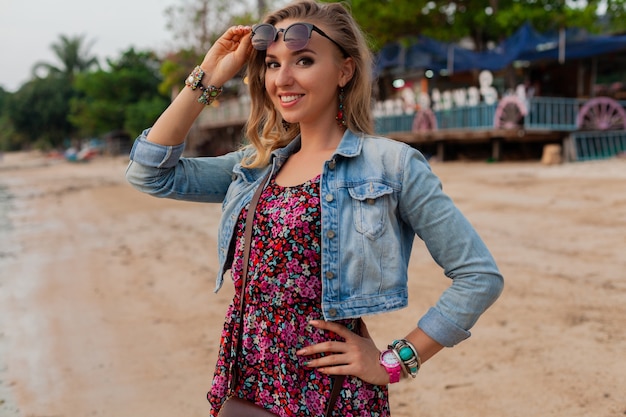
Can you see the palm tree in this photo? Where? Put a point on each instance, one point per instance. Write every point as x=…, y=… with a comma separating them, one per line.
x=74, y=56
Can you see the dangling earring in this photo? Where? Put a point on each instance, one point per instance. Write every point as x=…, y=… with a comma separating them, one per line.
x=341, y=121
x=286, y=125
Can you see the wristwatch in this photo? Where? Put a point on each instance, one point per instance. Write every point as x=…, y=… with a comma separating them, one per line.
x=391, y=363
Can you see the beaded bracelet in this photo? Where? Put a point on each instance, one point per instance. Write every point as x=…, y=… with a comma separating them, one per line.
x=408, y=354
x=209, y=94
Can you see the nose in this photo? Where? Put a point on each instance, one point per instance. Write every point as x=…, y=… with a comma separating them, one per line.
x=284, y=76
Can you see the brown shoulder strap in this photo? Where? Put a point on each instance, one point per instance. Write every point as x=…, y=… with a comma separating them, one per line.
x=339, y=379
x=247, y=241
x=334, y=394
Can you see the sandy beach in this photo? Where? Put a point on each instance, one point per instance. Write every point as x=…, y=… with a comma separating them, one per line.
x=107, y=306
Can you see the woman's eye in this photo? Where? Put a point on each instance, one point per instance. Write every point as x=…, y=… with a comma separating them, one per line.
x=305, y=61
x=271, y=64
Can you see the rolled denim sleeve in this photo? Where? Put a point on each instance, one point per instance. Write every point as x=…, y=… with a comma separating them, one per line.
x=456, y=246
x=442, y=329
x=153, y=155
x=160, y=171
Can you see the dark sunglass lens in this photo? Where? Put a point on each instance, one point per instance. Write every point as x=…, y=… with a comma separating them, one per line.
x=296, y=36
x=263, y=36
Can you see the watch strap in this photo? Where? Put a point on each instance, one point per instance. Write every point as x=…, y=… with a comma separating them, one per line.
x=394, y=371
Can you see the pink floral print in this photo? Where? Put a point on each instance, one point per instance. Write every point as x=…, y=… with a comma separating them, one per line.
x=282, y=295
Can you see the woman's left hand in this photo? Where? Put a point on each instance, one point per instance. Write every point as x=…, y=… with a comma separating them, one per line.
x=357, y=356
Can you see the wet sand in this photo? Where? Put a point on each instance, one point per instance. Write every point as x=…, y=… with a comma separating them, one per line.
x=107, y=306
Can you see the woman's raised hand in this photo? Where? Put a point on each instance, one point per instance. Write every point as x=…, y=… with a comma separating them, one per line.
x=356, y=355
x=227, y=55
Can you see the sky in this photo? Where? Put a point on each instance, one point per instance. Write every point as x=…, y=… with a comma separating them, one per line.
x=29, y=27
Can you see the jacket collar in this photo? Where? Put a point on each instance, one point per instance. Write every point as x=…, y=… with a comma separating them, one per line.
x=350, y=146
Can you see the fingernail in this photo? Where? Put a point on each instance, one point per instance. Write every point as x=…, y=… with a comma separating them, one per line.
x=306, y=363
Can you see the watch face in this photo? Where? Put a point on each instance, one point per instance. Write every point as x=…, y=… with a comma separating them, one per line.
x=389, y=358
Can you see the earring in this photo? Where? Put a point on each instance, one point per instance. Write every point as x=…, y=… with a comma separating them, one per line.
x=286, y=125
x=341, y=121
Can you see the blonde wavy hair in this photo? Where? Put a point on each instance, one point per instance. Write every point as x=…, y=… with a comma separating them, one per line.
x=264, y=128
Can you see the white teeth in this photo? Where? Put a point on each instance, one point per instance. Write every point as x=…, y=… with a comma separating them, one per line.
x=288, y=99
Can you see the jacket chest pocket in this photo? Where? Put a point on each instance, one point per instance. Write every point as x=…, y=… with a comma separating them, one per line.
x=370, y=203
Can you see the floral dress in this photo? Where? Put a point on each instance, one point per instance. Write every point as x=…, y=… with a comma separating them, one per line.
x=283, y=294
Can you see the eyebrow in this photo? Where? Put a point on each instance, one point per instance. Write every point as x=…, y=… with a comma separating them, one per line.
x=294, y=53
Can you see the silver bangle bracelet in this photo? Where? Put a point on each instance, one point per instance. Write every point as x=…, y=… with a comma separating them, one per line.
x=412, y=361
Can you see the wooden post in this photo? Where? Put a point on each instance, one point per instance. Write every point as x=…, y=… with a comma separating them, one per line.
x=569, y=149
x=496, y=149
x=441, y=151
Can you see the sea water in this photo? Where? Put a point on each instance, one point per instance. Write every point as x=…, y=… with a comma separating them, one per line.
x=6, y=204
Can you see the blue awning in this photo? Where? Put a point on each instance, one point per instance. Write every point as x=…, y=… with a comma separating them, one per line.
x=524, y=45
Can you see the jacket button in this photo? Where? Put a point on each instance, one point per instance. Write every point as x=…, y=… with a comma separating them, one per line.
x=332, y=312
x=330, y=234
x=371, y=201
x=329, y=197
x=332, y=164
x=330, y=275
x=233, y=177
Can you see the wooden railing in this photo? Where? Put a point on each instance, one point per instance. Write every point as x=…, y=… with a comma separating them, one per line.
x=543, y=113
x=594, y=145
x=553, y=113
x=226, y=113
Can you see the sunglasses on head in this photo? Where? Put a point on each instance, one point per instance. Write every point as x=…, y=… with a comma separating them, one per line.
x=295, y=36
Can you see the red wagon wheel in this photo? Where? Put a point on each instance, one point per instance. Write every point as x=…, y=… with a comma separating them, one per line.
x=509, y=113
x=601, y=113
x=424, y=120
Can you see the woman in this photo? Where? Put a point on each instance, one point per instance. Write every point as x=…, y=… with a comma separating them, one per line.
x=334, y=226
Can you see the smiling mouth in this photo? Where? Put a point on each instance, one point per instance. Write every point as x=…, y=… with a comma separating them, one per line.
x=290, y=98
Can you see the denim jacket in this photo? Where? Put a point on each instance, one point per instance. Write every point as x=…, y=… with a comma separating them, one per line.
x=376, y=195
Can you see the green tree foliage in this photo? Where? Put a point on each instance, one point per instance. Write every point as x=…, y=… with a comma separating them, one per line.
x=482, y=20
x=9, y=139
x=124, y=97
x=38, y=111
x=74, y=56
